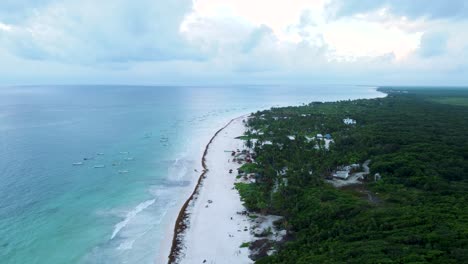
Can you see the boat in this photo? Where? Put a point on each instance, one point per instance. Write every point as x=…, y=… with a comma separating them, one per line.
x=100, y=154
x=77, y=163
x=123, y=171
x=129, y=158
x=99, y=166
x=123, y=152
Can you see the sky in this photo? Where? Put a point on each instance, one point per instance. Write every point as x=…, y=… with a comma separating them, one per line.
x=196, y=42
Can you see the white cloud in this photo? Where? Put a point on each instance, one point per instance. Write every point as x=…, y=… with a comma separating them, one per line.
x=232, y=40
x=5, y=27
x=304, y=21
x=430, y=9
x=88, y=32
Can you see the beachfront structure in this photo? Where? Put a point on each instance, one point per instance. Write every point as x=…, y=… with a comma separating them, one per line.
x=319, y=136
x=291, y=137
x=349, y=121
x=328, y=136
x=342, y=174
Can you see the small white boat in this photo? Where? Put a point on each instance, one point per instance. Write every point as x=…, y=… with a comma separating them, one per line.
x=100, y=154
x=123, y=152
x=123, y=171
x=99, y=166
x=77, y=163
x=129, y=158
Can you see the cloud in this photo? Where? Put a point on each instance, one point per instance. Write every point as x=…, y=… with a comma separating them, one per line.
x=12, y=11
x=156, y=41
x=433, y=44
x=105, y=31
x=431, y=9
x=256, y=37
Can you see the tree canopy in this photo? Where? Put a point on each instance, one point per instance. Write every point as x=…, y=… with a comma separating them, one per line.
x=416, y=139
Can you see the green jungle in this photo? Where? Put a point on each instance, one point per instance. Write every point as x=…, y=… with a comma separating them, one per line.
x=412, y=207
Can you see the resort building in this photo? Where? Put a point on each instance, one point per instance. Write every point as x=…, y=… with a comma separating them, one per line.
x=343, y=174
x=349, y=121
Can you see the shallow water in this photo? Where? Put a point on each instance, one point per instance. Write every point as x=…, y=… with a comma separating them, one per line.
x=139, y=147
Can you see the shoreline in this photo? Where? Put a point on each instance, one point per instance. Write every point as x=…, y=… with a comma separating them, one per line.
x=183, y=215
x=179, y=231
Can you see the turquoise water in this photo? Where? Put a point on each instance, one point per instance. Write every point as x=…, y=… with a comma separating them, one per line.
x=149, y=141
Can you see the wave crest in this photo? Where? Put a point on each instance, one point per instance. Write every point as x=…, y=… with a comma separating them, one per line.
x=130, y=215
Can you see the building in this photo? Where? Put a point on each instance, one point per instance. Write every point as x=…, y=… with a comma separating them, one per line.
x=343, y=174
x=328, y=136
x=349, y=121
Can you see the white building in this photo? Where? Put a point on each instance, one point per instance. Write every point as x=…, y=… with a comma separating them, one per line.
x=349, y=121
x=341, y=174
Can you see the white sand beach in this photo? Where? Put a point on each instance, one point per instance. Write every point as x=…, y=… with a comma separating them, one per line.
x=215, y=231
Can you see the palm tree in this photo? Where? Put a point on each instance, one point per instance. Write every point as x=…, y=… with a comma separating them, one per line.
x=249, y=143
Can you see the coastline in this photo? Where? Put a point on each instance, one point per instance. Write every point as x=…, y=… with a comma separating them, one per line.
x=181, y=223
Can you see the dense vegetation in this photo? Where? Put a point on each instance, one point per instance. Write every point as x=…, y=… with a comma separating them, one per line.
x=416, y=139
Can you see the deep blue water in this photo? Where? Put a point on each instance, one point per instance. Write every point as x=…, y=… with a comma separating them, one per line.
x=149, y=140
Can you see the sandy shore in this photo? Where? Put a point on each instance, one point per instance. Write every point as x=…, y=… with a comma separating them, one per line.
x=208, y=227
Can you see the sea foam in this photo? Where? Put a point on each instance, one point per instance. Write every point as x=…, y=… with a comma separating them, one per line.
x=130, y=215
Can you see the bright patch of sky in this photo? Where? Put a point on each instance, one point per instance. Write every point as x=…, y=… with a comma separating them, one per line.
x=234, y=41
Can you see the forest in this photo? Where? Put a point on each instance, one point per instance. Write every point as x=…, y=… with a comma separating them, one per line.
x=415, y=211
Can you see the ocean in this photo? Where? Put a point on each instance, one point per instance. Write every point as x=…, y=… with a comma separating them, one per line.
x=97, y=174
